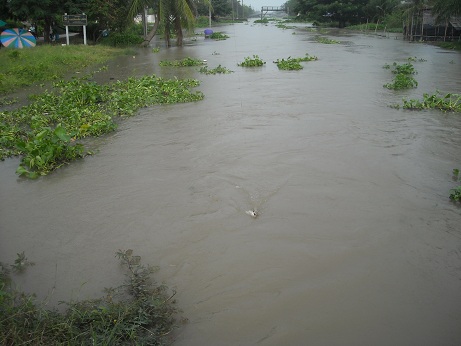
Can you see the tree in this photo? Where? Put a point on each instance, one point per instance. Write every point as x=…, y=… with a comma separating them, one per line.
x=174, y=15
x=37, y=10
x=335, y=10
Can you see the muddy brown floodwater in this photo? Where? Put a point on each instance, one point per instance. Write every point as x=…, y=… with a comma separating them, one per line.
x=356, y=242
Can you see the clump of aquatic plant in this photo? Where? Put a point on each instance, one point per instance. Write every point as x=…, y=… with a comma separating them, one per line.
x=402, y=81
x=46, y=151
x=47, y=133
x=188, y=61
x=325, y=40
x=449, y=102
x=217, y=70
x=403, y=76
x=284, y=26
x=218, y=36
x=262, y=21
x=293, y=63
x=138, y=312
x=156, y=50
x=406, y=69
x=254, y=61
x=455, y=193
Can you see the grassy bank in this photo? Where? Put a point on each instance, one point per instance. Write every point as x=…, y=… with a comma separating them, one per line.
x=138, y=312
x=25, y=67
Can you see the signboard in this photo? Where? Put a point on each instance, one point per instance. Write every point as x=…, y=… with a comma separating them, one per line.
x=74, y=19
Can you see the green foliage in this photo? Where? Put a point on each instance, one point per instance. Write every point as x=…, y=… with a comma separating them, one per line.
x=293, y=63
x=219, y=36
x=46, y=132
x=252, y=62
x=448, y=103
x=47, y=150
x=325, y=40
x=122, y=39
x=217, y=70
x=183, y=62
x=138, y=312
x=156, y=50
x=403, y=76
x=455, y=194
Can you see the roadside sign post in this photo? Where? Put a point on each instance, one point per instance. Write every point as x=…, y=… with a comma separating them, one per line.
x=75, y=20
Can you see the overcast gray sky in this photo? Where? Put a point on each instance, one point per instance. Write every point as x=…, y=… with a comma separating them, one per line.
x=257, y=4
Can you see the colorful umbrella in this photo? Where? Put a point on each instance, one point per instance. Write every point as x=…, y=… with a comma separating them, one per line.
x=17, y=38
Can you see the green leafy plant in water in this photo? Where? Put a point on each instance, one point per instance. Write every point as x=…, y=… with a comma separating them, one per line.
x=47, y=150
x=325, y=40
x=138, y=312
x=188, y=61
x=402, y=81
x=262, y=21
x=254, y=61
x=156, y=50
x=455, y=194
x=293, y=63
x=218, y=36
x=449, y=102
x=45, y=133
x=403, y=76
x=217, y=70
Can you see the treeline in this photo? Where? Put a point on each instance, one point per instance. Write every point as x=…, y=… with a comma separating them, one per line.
x=390, y=12
x=115, y=16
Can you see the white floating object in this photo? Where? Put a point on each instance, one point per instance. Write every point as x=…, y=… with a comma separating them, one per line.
x=204, y=60
x=252, y=213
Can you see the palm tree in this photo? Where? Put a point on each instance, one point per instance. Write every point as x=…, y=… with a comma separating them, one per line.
x=173, y=14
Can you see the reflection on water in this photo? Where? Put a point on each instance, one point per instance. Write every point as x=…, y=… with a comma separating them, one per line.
x=356, y=242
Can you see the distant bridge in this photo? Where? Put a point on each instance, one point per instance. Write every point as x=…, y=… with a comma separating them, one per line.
x=265, y=9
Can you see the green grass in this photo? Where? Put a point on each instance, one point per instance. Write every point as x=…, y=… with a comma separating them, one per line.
x=25, y=67
x=138, y=312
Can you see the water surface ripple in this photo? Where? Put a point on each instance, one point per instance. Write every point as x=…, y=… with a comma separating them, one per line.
x=356, y=242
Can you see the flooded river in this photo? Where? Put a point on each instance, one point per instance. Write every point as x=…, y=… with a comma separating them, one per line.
x=356, y=242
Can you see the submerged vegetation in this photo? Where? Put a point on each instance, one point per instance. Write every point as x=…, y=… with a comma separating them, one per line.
x=455, y=193
x=293, y=63
x=48, y=132
x=138, y=312
x=188, y=61
x=254, y=61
